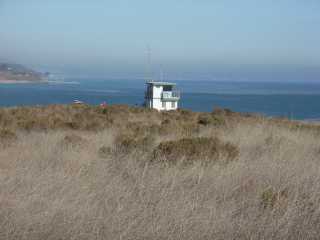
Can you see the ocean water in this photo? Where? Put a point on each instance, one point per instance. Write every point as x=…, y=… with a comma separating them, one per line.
x=292, y=100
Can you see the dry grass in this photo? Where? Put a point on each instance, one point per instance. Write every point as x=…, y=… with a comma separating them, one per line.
x=80, y=172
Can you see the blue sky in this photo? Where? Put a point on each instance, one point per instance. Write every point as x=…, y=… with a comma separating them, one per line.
x=188, y=38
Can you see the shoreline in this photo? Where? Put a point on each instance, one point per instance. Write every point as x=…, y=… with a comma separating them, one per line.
x=22, y=81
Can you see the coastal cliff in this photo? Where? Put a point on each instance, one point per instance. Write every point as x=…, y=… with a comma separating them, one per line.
x=15, y=73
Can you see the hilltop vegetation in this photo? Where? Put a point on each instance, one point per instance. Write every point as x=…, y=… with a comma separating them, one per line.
x=85, y=172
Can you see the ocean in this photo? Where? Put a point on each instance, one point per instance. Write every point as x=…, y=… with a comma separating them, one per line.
x=286, y=99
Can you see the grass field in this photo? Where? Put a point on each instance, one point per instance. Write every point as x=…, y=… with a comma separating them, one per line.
x=83, y=172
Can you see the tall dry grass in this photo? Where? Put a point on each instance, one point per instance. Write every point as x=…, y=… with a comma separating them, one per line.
x=103, y=182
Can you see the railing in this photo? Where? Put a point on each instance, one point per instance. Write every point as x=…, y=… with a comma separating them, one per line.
x=171, y=95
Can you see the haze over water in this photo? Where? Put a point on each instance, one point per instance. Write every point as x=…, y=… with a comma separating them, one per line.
x=188, y=39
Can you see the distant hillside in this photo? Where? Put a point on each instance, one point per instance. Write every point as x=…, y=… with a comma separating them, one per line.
x=16, y=72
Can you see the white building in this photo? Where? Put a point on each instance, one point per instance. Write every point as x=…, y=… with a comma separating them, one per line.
x=162, y=96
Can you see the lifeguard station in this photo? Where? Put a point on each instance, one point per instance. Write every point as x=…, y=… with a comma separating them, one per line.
x=162, y=96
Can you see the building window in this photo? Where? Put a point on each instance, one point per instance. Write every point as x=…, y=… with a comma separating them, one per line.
x=163, y=104
x=167, y=88
x=173, y=104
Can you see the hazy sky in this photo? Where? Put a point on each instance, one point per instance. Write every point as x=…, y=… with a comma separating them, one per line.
x=187, y=37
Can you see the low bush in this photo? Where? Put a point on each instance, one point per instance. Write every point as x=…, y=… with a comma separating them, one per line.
x=223, y=111
x=190, y=150
x=204, y=119
x=128, y=143
x=73, y=141
x=211, y=119
x=105, y=151
x=7, y=137
x=271, y=198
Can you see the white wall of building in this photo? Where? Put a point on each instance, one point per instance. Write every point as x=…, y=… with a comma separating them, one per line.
x=165, y=105
x=157, y=91
x=157, y=102
x=169, y=105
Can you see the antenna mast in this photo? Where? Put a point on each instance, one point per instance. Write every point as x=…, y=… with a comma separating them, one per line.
x=161, y=73
x=148, y=68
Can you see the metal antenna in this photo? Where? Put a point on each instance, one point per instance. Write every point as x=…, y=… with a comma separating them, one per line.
x=148, y=68
x=161, y=73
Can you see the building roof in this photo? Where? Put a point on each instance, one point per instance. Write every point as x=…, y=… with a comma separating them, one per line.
x=161, y=83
